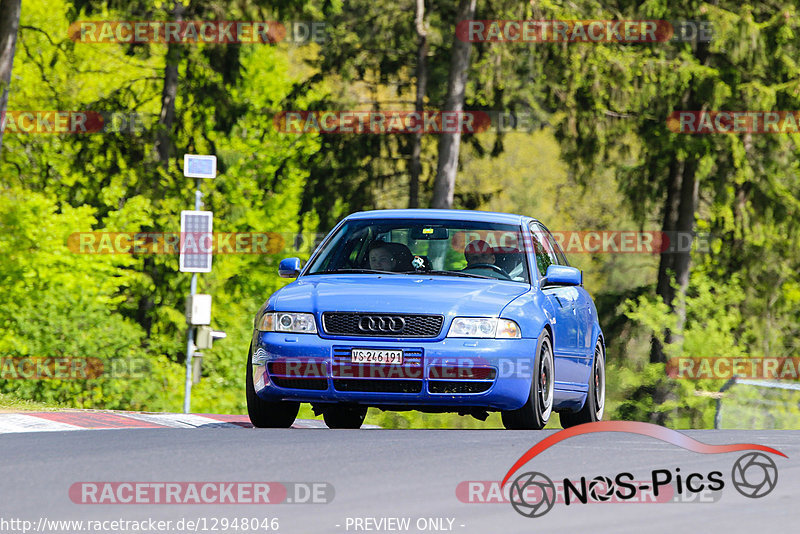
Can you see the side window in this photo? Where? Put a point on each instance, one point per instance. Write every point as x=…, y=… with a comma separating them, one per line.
x=561, y=256
x=545, y=254
x=543, y=259
x=554, y=246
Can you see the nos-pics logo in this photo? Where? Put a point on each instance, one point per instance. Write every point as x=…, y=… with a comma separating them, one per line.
x=533, y=494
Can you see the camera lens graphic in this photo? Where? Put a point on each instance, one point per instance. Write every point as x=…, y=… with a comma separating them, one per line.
x=532, y=494
x=754, y=475
x=601, y=489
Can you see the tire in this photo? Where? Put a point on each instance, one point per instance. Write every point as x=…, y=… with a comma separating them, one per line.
x=266, y=414
x=343, y=416
x=596, y=399
x=536, y=411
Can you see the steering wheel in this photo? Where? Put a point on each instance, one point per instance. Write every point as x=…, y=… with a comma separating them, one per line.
x=489, y=266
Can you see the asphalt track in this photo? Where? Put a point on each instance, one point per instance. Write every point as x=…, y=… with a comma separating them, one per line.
x=388, y=474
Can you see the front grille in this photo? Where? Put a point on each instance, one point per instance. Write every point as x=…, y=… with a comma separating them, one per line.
x=298, y=368
x=378, y=386
x=445, y=372
x=382, y=324
x=318, y=384
x=299, y=374
x=457, y=386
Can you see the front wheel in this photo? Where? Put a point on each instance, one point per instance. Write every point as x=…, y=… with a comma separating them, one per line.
x=266, y=414
x=596, y=397
x=340, y=416
x=536, y=411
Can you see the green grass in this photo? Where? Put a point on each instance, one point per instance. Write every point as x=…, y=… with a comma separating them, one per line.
x=9, y=403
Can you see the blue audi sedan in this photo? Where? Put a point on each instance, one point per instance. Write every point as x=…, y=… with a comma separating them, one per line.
x=431, y=310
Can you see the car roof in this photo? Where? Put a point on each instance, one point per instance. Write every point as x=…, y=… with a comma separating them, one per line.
x=449, y=215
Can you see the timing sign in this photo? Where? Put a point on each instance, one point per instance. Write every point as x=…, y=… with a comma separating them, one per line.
x=197, y=241
x=195, y=166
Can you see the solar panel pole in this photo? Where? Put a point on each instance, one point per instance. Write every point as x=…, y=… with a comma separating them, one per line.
x=197, y=167
x=187, y=395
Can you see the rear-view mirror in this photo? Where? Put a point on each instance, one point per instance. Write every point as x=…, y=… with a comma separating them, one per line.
x=429, y=232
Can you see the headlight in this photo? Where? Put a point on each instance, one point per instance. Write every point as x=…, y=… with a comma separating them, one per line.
x=299, y=323
x=490, y=327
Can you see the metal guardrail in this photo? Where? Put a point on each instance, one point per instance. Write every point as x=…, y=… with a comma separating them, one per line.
x=747, y=382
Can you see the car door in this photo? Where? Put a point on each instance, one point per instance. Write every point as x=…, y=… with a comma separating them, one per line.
x=580, y=351
x=586, y=318
x=563, y=300
x=584, y=307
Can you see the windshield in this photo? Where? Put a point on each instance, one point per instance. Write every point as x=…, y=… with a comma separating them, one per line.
x=438, y=247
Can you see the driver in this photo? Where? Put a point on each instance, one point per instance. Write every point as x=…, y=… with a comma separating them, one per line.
x=481, y=259
x=389, y=256
x=479, y=251
x=380, y=256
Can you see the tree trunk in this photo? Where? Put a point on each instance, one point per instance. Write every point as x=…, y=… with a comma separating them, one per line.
x=163, y=150
x=687, y=196
x=687, y=206
x=678, y=224
x=666, y=265
x=685, y=227
x=9, y=24
x=169, y=93
x=419, y=104
x=678, y=220
x=449, y=143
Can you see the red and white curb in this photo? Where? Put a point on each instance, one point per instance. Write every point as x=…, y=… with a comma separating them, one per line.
x=103, y=420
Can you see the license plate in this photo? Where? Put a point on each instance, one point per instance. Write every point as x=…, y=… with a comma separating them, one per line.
x=376, y=356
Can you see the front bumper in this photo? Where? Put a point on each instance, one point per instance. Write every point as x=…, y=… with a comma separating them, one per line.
x=455, y=373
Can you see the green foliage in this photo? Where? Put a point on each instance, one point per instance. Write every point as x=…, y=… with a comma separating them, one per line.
x=599, y=162
x=713, y=329
x=57, y=302
x=745, y=406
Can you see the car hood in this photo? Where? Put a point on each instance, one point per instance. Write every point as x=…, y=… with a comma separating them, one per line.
x=398, y=294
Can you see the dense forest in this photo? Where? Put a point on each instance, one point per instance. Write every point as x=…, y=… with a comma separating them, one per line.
x=580, y=137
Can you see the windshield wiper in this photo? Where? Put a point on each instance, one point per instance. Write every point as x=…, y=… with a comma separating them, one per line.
x=453, y=273
x=366, y=271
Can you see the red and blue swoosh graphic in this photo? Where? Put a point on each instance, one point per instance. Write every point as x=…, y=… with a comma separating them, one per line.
x=635, y=427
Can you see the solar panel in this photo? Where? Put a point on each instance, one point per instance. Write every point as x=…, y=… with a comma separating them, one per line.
x=197, y=241
x=195, y=166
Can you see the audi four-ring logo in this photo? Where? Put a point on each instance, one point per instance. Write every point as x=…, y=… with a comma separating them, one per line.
x=376, y=323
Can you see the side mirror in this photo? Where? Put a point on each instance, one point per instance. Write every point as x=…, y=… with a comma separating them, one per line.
x=561, y=275
x=289, y=268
